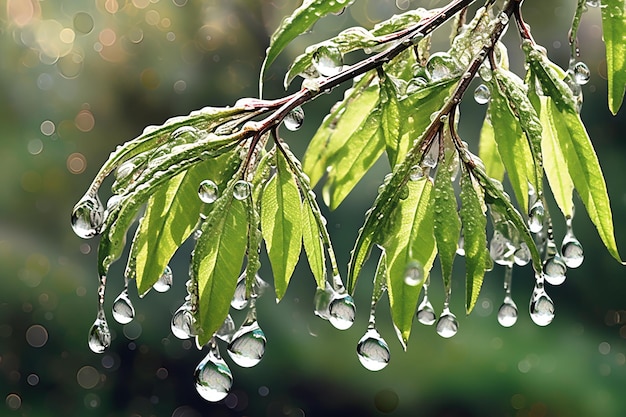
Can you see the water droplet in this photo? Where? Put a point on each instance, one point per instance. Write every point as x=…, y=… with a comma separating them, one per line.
x=328, y=60
x=185, y=134
x=482, y=95
x=541, y=307
x=440, y=66
x=248, y=344
x=240, y=301
x=447, y=325
x=241, y=191
x=342, y=311
x=321, y=301
x=87, y=216
x=416, y=173
x=536, y=216
x=413, y=274
x=123, y=310
x=183, y=323
x=432, y=156
x=164, y=283
x=593, y=3
x=501, y=249
x=522, y=255
x=485, y=72
x=99, y=334
x=227, y=330
x=581, y=73
x=571, y=248
x=554, y=269
x=426, y=313
x=212, y=376
x=372, y=351
x=507, y=314
x=208, y=191
x=294, y=119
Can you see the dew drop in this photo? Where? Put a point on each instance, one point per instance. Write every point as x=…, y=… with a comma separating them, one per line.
x=342, y=311
x=185, y=134
x=536, y=216
x=164, y=283
x=416, y=173
x=241, y=190
x=247, y=347
x=321, y=301
x=212, y=376
x=208, y=191
x=507, y=314
x=372, y=351
x=541, y=305
x=426, y=313
x=447, y=325
x=581, y=73
x=294, y=119
x=413, y=274
x=123, y=310
x=183, y=323
x=432, y=156
x=87, y=216
x=440, y=66
x=227, y=330
x=328, y=60
x=482, y=95
x=99, y=334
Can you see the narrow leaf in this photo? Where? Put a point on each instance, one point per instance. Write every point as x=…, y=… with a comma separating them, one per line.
x=313, y=245
x=281, y=224
x=390, y=118
x=613, y=29
x=301, y=20
x=488, y=151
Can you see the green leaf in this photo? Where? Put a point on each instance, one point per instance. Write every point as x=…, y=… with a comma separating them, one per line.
x=447, y=225
x=390, y=118
x=296, y=24
x=488, y=151
x=217, y=261
x=613, y=29
x=474, y=236
x=554, y=161
x=408, y=238
x=313, y=244
x=281, y=223
x=337, y=128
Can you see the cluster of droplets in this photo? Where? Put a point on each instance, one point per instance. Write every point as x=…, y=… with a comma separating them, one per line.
x=334, y=304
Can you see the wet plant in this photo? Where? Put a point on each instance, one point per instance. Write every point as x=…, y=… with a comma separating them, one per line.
x=224, y=177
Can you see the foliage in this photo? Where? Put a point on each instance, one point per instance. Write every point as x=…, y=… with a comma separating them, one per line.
x=226, y=174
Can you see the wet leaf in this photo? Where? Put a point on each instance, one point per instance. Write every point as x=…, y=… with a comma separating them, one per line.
x=613, y=29
x=313, y=244
x=488, y=151
x=391, y=118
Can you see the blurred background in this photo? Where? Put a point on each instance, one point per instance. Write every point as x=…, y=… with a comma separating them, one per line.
x=77, y=78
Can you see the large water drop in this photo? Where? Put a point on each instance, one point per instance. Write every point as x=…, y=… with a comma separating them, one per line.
x=413, y=274
x=482, y=94
x=212, y=376
x=432, y=156
x=123, y=310
x=99, y=334
x=447, y=325
x=227, y=331
x=571, y=248
x=372, y=351
x=426, y=313
x=164, y=283
x=554, y=269
x=241, y=190
x=183, y=323
x=342, y=311
x=87, y=216
x=321, y=301
x=294, y=119
x=440, y=66
x=507, y=314
x=522, y=255
x=581, y=73
x=501, y=249
x=328, y=60
x=541, y=305
x=247, y=347
x=240, y=301
x=536, y=216
x=208, y=191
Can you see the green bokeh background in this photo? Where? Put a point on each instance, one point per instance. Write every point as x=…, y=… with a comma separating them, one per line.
x=77, y=78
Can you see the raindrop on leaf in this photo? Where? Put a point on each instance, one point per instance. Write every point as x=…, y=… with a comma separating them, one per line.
x=440, y=66
x=294, y=119
x=536, y=216
x=482, y=95
x=241, y=191
x=208, y=191
x=328, y=60
x=87, y=216
x=164, y=283
x=413, y=274
x=581, y=73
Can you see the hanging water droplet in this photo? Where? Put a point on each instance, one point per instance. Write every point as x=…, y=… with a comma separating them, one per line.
x=413, y=274
x=227, y=330
x=501, y=249
x=507, y=314
x=321, y=301
x=416, y=173
x=482, y=95
x=183, y=323
x=247, y=347
x=208, y=191
x=240, y=301
x=99, y=334
x=294, y=119
x=342, y=311
x=432, y=156
x=536, y=216
x=522, y=255
x=87, y=216
x=581, y=73
x=212, y=376
x=372, y=351
x=554, y=269
x=460, y=246
x=328, y=60
x=571, y=248
x=426, y=313
x=164, y=283
x=440, y=66
x=447, y=325
x=123, y=310
x=541, y=307
x=241, y=190
x=485, y=72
